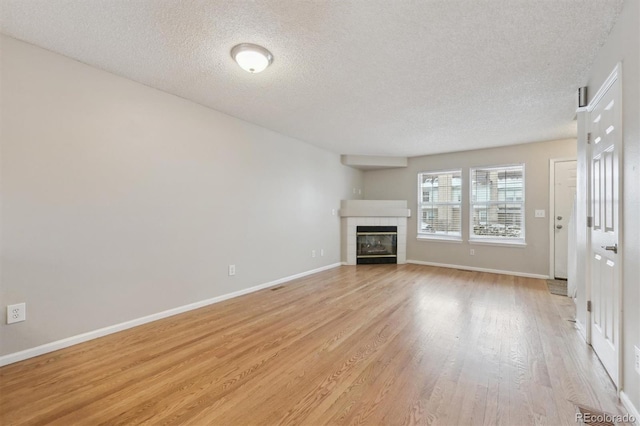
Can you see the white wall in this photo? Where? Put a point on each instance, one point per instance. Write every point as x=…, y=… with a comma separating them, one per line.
x=401, y=184
x=623, y=45
x=120, y=201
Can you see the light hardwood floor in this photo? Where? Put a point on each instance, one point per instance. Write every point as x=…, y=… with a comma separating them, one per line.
x=387, y=344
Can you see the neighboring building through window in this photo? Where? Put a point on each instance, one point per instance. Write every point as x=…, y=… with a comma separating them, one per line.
x=439, y=202
x=497, y=203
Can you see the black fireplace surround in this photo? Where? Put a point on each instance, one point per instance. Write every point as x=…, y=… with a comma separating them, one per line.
x=376, y=244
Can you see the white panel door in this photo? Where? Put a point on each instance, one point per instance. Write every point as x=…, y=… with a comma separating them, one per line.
x=565, y=181
x=605, y=124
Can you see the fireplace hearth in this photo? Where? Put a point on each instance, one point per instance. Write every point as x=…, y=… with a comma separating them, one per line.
x=376, y=244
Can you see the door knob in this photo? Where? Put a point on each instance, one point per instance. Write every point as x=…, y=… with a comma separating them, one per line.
x=613, y=248
x=559, y=217
x=559, y=226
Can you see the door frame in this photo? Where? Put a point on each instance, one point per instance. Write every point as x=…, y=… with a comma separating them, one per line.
x=615, y=75
x=552, y=204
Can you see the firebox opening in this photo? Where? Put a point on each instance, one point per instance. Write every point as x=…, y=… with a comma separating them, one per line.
x=376, y=244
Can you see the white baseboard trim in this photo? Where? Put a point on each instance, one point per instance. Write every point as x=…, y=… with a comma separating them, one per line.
x=90, y=335
x=624, y=398
x=475, y=269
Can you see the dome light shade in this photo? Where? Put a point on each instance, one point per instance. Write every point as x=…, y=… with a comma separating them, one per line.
x=251, y=57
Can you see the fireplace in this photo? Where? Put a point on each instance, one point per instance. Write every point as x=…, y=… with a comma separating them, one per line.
x=376, y=244
x=355, y=214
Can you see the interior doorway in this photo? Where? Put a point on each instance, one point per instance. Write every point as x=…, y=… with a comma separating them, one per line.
x=565, y=182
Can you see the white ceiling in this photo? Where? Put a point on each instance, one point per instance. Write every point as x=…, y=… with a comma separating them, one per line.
x=369, y=77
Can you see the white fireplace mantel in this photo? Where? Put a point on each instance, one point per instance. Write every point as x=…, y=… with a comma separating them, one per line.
x=374, y=208
x=356, y=213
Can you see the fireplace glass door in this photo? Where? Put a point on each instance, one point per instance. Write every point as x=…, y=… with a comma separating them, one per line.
x=376, y=244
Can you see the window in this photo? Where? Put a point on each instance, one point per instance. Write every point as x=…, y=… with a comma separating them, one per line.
x=497, y=203
x=439, y=199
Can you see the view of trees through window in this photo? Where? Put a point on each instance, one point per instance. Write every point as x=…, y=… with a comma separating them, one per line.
x=439, y=202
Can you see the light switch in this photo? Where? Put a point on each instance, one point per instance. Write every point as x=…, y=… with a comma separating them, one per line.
x=540, y=213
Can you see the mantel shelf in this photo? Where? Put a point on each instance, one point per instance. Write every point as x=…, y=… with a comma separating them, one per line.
x=374, y=208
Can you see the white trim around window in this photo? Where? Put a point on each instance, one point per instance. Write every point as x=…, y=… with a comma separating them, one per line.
x=439, y=212
x=497, y=205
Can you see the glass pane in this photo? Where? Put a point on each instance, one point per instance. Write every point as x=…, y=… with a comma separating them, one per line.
x=497, y=195
x=497, y=220
x=497, y=184
x=437, y=214
x=376, y=245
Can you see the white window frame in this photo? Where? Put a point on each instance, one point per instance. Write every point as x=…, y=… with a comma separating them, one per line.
x=431, y=236
x=480, y=239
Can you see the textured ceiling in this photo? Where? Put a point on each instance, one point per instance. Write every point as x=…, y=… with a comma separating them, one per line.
x=372, y=77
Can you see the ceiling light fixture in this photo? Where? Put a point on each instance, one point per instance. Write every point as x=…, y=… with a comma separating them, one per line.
x=251, y=57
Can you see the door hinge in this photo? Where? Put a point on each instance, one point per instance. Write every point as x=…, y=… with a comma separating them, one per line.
x=589, y=221
x=588, y=305
x=589, y=138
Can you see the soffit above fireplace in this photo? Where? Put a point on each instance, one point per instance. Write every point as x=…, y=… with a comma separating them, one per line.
x=372, y=162
x=374, y=208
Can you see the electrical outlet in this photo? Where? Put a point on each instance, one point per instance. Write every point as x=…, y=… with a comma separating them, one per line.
x=313, y=253
x=637, y=363
x=16, y=313
x=472, y=252
x=232, y=270
x=333, y=212
x=540, y=213
x=321, y=252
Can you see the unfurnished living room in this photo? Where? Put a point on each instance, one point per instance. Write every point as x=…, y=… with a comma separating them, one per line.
x=260, y=212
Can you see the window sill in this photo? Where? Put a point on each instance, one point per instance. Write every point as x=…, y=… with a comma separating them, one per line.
x=438, y=239
x=489, y=242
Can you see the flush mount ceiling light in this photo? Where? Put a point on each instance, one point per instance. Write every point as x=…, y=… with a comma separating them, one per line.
x=251, y=57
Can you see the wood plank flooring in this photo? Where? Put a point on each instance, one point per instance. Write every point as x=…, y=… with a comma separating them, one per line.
x=375, y=344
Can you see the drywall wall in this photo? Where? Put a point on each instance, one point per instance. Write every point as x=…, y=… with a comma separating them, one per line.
x=623, y=45
x=531, y=259
x=120, y=201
